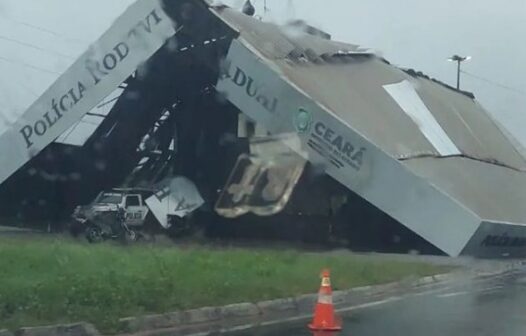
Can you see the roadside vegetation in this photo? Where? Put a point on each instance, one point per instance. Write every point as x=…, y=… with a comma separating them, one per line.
x=44, y=282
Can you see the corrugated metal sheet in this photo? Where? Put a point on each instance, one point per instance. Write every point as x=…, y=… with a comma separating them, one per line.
x=406, y=97
x=266, y=37
x=467, y=123
x=495, y=193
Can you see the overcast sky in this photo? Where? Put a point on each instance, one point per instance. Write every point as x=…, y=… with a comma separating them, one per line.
x=420, y=34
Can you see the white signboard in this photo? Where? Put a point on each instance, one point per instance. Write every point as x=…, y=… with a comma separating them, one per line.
x=134, y=37
x=174, y=197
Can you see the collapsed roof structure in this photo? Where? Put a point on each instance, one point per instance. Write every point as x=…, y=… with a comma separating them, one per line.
x=425, y=154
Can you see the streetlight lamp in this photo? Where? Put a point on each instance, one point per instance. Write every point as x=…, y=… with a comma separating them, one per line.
x=458, y=59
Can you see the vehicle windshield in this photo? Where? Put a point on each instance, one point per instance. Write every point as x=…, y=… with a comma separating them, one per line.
x=109, y=199
x=263, y=167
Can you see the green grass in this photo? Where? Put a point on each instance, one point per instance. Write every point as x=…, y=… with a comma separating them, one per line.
x=43, y=282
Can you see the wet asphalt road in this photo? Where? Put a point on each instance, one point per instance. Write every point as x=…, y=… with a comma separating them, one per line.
x=481, y=307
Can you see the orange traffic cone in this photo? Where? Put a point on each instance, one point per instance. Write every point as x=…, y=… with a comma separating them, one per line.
x=324, y=317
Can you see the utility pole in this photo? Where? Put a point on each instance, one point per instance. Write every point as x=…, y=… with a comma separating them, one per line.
x=458, y=59
x=291, y=10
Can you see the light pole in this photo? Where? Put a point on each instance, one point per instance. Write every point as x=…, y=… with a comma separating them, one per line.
x=458, y=59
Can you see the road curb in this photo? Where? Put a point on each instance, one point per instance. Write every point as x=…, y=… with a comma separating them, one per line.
x=76, y=329
x=279, y=305
x=300, y=304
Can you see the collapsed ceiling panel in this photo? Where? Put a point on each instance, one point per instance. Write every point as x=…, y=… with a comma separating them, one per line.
x=79, y=133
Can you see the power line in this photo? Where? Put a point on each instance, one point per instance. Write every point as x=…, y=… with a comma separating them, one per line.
x=29, y=89
x=291, y=9
x=2, y=37
x=29, y=66
x=45, y=30
x=502, y=86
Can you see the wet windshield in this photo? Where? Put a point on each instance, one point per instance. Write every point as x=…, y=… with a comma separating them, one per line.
x=109, y=199
x=281, y=167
